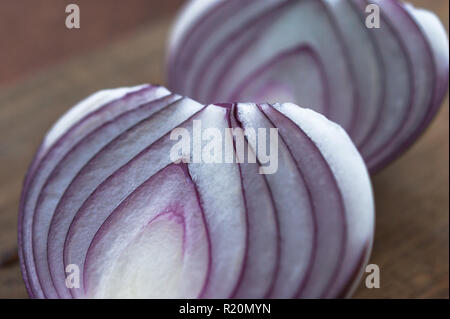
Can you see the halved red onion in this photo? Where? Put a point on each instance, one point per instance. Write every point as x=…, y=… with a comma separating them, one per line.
x=382, y=85
x=106, y=195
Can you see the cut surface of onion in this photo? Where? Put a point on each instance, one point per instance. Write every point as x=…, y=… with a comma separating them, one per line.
x=81, y=120
x=382, y=83
x=266, y=201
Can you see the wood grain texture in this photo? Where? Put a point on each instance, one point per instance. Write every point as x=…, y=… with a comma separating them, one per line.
x=412, y=194
x=35, y=34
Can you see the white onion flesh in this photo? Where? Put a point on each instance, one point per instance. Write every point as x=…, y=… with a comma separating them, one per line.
x=103, y=193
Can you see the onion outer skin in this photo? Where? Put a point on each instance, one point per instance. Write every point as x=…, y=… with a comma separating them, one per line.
x=225, y=198
x=418, y=32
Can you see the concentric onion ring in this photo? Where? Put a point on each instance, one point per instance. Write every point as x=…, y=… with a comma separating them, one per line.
x=105, y=194
x=382, y=85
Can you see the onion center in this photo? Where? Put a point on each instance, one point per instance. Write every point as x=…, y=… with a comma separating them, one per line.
x=151, y=265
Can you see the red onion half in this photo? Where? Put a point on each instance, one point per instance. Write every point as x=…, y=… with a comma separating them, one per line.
x=382, y=85
x=108, y=196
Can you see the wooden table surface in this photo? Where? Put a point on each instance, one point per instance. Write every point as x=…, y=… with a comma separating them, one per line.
x=412, y=194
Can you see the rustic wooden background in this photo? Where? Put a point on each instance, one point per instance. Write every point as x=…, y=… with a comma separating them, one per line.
x=46, y=68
